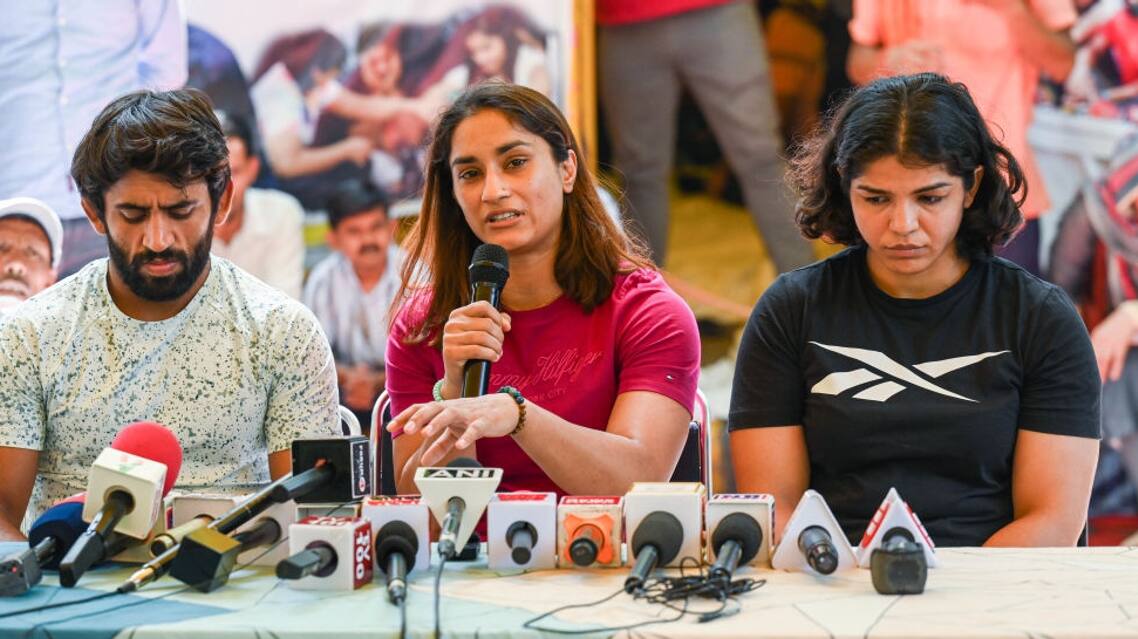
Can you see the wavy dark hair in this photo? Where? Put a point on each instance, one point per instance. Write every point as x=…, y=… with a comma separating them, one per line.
x=174, y=134
x=591, y=249
x=924, y=120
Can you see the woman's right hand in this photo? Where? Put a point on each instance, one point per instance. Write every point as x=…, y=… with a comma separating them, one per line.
x=475, y=331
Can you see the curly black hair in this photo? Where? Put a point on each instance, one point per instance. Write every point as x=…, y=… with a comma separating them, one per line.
x=924, y=120
x=174, y=134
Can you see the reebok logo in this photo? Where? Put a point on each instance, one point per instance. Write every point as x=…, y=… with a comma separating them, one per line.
x=882, y=365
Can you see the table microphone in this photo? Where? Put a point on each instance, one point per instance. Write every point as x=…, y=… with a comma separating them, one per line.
x=457, y=495
x=489, y=269
x=521, y=531
x=232, y=519
x=396, y=545
x=207, y=557
x=328, y=553
x=49, y=538
x=656, y=541
x=736, y=540
x=124, y=494
x=817, y=546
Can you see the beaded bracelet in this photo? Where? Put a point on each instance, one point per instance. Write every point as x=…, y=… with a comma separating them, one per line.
x=521, y=401
x=437, y=391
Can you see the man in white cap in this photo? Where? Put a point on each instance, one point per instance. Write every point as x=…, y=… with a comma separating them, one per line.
x=31, y=237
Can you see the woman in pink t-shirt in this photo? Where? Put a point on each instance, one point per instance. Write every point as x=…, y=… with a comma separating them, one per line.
x=600, y=356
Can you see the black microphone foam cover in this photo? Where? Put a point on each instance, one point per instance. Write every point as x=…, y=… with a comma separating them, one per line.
x=743, y=529
x=396, y=536
x=662, y=530
x=490, y=264
x=464, y=462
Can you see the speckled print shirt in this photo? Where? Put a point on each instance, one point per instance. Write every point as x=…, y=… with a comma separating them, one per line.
x=240, y=372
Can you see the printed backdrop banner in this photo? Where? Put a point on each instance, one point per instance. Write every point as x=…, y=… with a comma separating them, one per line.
x=343, y=90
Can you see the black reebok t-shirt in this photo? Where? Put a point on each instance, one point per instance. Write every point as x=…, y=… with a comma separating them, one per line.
x=925, y=395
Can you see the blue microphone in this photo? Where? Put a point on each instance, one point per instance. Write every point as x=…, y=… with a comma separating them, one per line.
x=49, y=539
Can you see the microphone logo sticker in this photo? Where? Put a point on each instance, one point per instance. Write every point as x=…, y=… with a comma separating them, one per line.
x=879, y=367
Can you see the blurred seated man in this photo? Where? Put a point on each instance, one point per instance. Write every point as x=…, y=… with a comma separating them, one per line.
x=158, y=331
x=264, y=233
x=351, y=290
x=31, y=236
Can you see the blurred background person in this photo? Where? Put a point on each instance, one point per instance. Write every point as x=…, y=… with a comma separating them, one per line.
x=1095, y=260
x=264, y=233
x=31, y=239
x=647, y=53
x=63, y=62
x=351, y=290
x=997, y=48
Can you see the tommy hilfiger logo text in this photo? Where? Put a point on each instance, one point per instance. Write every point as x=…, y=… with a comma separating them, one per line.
x=837, y=383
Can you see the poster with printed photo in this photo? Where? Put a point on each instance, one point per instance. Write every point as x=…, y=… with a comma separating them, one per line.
x=344, y=90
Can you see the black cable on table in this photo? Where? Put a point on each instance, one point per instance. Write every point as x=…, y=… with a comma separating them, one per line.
x=665, y=591
x=403, y=618
x=438, y=581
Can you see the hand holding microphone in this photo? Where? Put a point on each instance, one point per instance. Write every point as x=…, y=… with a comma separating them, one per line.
x=473, y=337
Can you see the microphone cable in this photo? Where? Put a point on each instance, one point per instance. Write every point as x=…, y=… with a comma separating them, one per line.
x=665, y=591
x=438, y=583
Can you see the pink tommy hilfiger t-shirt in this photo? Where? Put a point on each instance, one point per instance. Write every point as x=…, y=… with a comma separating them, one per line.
x=643, y=338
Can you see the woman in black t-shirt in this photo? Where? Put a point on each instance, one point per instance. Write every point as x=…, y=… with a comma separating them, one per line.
x=914, y=359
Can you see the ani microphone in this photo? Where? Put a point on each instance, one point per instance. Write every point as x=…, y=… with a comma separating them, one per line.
x=457, y=495
x=489, y=270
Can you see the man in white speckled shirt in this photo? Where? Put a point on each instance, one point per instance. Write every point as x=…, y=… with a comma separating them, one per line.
x=159, y=330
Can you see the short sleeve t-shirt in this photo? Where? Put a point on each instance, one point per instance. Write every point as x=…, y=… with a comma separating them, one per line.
x=923, y=395
x=237, y=374
x=572, y=363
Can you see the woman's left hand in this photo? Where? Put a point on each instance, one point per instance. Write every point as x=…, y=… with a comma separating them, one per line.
x=457, y=423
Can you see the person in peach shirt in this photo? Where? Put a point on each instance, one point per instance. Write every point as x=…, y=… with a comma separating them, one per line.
x=997, y=48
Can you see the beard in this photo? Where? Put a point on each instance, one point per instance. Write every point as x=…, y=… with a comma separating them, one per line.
x=161, y=289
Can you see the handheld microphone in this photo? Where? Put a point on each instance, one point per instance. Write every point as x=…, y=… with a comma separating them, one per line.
x=328, y=553
x=589, y=531
x=206, y=557
x=48, y=539
x=892, y=517
x=656, y=542
x=457, y=495
x=813, y=540
x=396, y=545
x=520, y=529
x=124, y=494
x=489, y=269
